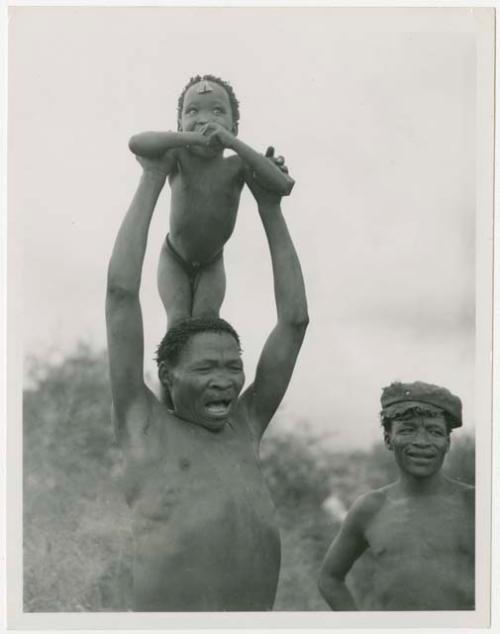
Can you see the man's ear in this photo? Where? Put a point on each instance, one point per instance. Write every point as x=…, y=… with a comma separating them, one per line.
x=165, y=375
x=387, y=440
x=449, y=442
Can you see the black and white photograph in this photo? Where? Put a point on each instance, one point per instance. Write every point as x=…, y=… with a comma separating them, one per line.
x=249, y=316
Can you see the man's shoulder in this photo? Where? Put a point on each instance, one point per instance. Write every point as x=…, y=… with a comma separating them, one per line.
x=368, y=505
x=466, y=491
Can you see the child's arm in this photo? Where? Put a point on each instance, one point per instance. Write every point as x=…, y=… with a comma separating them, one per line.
x=154, y=144
x=346, y=548
x=266, y=172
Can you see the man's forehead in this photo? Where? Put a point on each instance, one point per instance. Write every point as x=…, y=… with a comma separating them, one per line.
x=211, y=341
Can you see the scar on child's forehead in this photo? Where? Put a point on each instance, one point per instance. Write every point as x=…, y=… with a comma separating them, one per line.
x=203, y=87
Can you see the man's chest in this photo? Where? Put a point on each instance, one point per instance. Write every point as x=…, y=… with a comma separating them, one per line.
x=195, y=469
x=404, y=529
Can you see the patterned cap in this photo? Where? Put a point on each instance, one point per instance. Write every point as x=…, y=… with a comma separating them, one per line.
x=424, y=393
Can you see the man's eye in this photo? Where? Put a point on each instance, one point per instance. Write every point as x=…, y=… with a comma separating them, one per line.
x=436, y=432
x=403, y=417
x=218, y=111
x=190, y=110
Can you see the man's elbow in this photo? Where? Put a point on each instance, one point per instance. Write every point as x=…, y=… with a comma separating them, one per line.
x=299, y=321
x=117, y=291
x=332, y=589
x=324, y=583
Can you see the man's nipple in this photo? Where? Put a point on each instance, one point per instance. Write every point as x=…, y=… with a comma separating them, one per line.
x=184, y=464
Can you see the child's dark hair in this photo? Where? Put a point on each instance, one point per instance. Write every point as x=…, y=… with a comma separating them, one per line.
x=235, y=104
x=417, y=411
x=178, y=336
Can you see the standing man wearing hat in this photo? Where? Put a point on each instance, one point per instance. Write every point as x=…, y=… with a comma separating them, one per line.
x=420, y=529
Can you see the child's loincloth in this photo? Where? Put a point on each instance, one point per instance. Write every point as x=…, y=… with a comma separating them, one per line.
x=192, y=269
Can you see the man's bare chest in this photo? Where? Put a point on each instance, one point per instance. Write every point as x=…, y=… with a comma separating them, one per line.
x=184, y=476
x=441, y=529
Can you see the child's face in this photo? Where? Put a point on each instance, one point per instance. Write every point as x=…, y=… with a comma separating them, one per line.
x=206, y=102
x=420, y=443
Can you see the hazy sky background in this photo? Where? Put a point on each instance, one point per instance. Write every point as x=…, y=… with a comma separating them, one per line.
x=374, y=111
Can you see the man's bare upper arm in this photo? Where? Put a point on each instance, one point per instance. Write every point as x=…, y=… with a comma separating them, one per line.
x=131, y=397
x=273, y=374
x=351, y=542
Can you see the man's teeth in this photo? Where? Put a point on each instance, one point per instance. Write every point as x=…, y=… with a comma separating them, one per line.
x=218, y=408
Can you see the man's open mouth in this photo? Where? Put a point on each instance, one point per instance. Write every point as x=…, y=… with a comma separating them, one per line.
x=419, y=456
x=218, y=408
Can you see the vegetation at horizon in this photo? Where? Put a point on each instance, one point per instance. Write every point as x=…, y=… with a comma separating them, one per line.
x=76, y=531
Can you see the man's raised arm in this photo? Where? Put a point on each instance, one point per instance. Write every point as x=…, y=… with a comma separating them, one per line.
x=281, y=349
x=131, y=398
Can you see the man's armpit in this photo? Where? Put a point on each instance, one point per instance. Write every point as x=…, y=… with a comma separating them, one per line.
x=134, y=421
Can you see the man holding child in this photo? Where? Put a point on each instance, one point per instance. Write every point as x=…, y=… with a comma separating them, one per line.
x=205, y=533
x=204, y=526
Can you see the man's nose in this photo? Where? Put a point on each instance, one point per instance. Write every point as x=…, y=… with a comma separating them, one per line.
x=220, y=380
x=421, y=437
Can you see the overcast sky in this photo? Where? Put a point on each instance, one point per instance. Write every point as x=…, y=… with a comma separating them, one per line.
x=374, y=111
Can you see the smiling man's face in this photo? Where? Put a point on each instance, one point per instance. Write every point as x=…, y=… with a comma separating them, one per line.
x=207, y=379
x=420, y=442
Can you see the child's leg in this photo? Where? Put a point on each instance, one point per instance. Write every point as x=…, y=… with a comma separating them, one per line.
x=174, y=287
x=210, y=289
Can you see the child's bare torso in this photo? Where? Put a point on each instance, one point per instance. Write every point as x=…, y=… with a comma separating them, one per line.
x=204, y=525
x=204, y=204
x=422, y=552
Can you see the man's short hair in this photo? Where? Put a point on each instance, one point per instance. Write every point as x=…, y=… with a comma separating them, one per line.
x=235, y=104
x=178, y=336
